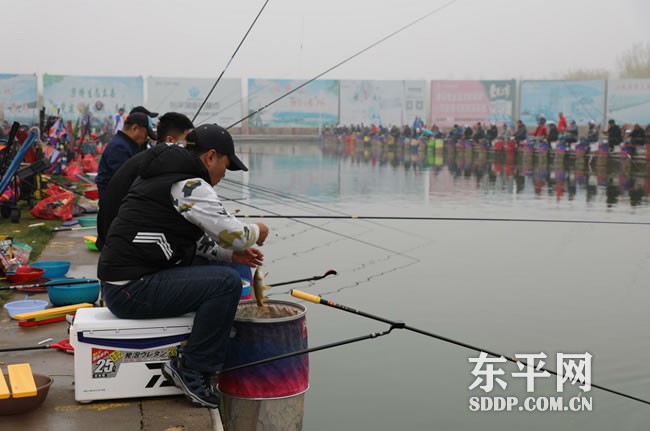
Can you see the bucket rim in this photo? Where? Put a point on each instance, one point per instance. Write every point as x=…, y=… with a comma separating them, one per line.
x=277, y=397
x=301, y=314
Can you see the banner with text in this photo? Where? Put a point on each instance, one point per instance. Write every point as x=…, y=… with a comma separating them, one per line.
x=98, y=98
x=628, y=101
x=18, y=99
x=185, y=95
x=373, y=102
x=470, y=102
x=415, y=97
x=314, y=105
x=577, y=100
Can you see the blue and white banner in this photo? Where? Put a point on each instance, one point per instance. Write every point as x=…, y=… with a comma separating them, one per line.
x=628, y=101
x=314, y=105
x=72, y=97
x=185, y=95
x=373, y=102
x=18, y=99
x=577, y=100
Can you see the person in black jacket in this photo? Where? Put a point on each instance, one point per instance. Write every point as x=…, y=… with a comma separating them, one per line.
x=571, y=134
x=592, y=132
x=521, y=133
x=468, y=133
x=172, y=129
x=492, y=133
x=614, y=135
x=553, y=133
x=145, y=264
x=638, y=136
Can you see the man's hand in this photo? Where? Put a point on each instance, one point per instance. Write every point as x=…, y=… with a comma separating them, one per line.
x=250, y=257
x=264, y=232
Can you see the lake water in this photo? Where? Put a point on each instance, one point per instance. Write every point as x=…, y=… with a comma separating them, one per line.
x=512, y=287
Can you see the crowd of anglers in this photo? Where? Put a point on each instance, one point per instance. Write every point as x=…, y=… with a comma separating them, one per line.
x=546, y=135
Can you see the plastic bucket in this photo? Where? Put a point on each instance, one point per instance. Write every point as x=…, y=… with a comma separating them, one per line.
x=246, y=290
x=272, y=387
x=260, y=334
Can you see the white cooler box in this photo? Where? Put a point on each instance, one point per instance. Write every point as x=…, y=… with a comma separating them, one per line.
x=123, y=358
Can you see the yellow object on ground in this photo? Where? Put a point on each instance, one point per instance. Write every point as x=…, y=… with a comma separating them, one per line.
x=51, y=312
x=4, y=389
x=21, y=380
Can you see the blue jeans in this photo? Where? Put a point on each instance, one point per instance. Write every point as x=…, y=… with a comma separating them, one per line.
x=211, y=291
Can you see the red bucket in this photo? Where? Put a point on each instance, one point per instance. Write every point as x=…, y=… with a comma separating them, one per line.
x=92, y=194
x=263, y=333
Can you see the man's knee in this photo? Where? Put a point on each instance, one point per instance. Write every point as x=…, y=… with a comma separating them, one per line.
x=232, y=279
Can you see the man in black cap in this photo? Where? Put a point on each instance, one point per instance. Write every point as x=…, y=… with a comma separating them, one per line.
x=144, y=111
x=172, y=129
x=145, y=263
x=122, y=146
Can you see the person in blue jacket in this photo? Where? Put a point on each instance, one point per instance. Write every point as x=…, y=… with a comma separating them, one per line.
x=124, y=145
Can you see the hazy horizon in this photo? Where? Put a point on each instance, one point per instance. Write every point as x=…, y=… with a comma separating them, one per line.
x=469, y=39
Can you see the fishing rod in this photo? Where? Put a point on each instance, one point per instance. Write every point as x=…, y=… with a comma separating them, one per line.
x=401, y=325
x=63, y=345
x=55, y=282
x=310, y=350
x=314, y=278
x=353, y=217
x=63, y=229
x=344, y=216
x=401, y=29
x=229, y=61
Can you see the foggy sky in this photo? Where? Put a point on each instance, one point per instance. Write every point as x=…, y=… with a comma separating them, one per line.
x=298, y=39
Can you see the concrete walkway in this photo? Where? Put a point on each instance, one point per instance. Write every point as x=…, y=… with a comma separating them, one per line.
x=60, y=411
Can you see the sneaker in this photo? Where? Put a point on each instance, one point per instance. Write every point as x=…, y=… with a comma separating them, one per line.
x=195, y=384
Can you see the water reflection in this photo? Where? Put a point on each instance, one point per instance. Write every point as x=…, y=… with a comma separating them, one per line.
x=488, y=284
x=621, y=180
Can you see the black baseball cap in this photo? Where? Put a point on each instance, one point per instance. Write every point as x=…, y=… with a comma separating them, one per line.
x=144, y=111
x=215, y=137
x=142, y=120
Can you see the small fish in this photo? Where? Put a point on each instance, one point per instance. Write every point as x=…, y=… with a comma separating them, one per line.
x=259, y=287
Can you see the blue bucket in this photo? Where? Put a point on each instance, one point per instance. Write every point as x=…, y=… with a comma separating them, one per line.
x=68, y=294
x=53, y=268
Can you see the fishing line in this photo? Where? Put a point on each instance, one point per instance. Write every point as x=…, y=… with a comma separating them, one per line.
x=272, y=192
x=317, y=227
x=290, y=235
x=343, y=235
x=412, y=23
x=298, y=203
x=329, y=70
x=279, y=194
x=412, y=261
x=307, y=203
x=407, y=218
x=229, y=61
x=401, y=325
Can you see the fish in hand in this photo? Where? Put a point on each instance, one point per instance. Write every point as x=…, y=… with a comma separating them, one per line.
x=259, y=287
